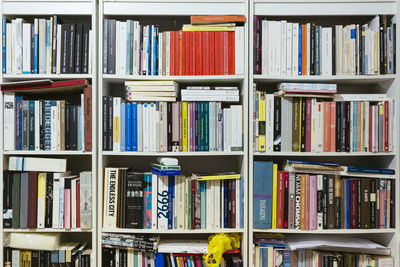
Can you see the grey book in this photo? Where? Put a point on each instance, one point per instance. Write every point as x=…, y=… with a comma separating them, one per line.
x=286, y=127
x=16, y=194
x=24, y=200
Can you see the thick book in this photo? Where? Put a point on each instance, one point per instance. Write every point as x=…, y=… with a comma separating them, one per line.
x=134, y=200
x=262, y=196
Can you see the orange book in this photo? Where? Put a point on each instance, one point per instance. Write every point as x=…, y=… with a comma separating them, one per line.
x=216, y=19
x=192, y=53
x=302, y=202
x=186, y=44
x=304, y=49
x=212, y=52
x=197, y=45
x=333, y=127
x=226, y=53
x=280, y=200
x=327, y=125
x=231, y=59
x=206, y=53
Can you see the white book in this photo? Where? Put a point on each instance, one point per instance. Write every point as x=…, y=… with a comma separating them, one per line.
x=110, y=196
x=326, y=56
x=58, y=54
x=269, y=123
x=9, y=121
x=42, y=46
x=339, y=45
x=346, y=48
x=213, y=202
x=144, y=63
x=53, y=127
x=136, y=48
x=122, y=48
x=239, y=50
x=160, y=53
x=278, y=47
x=56, y=200
x=264, y=48
x=162, y=203
x=117, y=123
x=140, y=259
x=168, y=53
x=154, y=197
x=217, y=209
x=139, y=127
x=360, y=97
x=308, y=47
x=146, y=127
x=26, y=45
x=286, y=112
x=295, y=49
x=34, y=241
x=38, y=118
x=118, y=48
x=283, y=31
x=209, y=204
x=236, y=123
x=271, y=47
x=319, y=128
x=156, y=132
x=58, y=126
x=61, y=199
x=85, y=198
x=152, y=127
x=9, y=48
x=352, y=49
x=227, y=128
x=313, y=124
x=41, y=200
x=73, y=203
x=289, y=47
x=180, y=216
x=18, y=46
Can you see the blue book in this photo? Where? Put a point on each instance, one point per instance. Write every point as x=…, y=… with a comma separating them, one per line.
x=128, y=48
x=159, y=260
x=147, y=200
x=48, y=47
x=47, y=123
x=165, y=172
x=348, y=204
x=171, y=184
x=155, y=50
x=286, y=258
x=241, y=202
x=128, y=127
x=150, y=31
x=122, y=130
x=262, y=194
x=134, y=133
x=198, y=125
x=370, y=170
x=54, y=258
x=4, y=44
x=36, y=49
x=79, y=128
x=264, y=256
x=18, y=119
x=330, y=164
x=300, y=47
x=202, y=204
x=272, y=245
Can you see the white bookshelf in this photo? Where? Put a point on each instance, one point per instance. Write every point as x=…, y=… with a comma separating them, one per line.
x=79, y=10
x=330, y=12
x=158, y=12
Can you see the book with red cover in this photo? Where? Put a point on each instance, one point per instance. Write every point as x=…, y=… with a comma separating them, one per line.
x=280, y=200
x=353, y=204
x=198, y=68
x=206, y=53
x=32, y=198
x=78, y=208
x=87, y=93
x=212, y=52
x=333, y=127
x=177, y=53
x=220, y=51
x=172, y=53
x=231, y=59
x=192, y=47
x=327, y=124
x=226, y=53
x=52, y=86
x=23, y=84
x=308, y=125
x=386, y=126
x=186, y=42
x=180, y=52
x=183, y=53
x=216, y=19
x=304, y=49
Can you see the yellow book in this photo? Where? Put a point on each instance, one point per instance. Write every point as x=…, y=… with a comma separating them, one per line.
x=41, y=201
x=376, y=70
x=257, y=256
x=300, y=104
x=51, y=45
x=184, y=127
x=208, y=29
x=28, y=257
x=362, y=127
x=274, y=194
x=21, y=259
x=261, y=121
x=177, y=262
x=216, y=177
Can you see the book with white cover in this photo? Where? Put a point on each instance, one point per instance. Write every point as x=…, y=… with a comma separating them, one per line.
x=9, y=53
x=73, y=203
x=154, y=199
x=286, y=111
x=162, y=205
x=35, y=241
x=37, y=164
x=38, y=119
x=9, y=121
x=295, y=49
x=326, y=51
x=122, y=47
x=269, y=134
x=56, y=200
x=85, y=199
x=110, y=197
x=360, y=97
x=17, y=45
x=239, y=50
x=26, y=45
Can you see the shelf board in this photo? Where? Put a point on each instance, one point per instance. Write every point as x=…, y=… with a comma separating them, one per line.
x=173, y=231
x=331, y=231
x=50, y=153
x=46, y=76
x=176, y=154
x=78, y=7
x=47, y=230
x=360, y=79
x=179, y=79
x=323, y=154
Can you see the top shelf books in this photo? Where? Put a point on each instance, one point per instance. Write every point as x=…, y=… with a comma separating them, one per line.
x=283, y=48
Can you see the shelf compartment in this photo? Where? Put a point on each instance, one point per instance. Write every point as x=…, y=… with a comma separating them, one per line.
x=323, y=154
x=47, y=7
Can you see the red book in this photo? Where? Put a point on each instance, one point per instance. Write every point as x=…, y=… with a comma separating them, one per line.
x=193, y=199
x=32, y=198
x=186, y=41
x=308, y=125
x=177, y=53
x=198, y=53
x=327, y=124
x=172, y=54
x=280, y=200
x=46, y=86
x=353, y=204
x=87, y=93
x=212, y=52
x=231, y=59
x=386, y=127
x=78, y=207
x=370, y=129
x=216, y=19
x=206, y=53
x=333, y=127
x=286, y=201
x=226, y=54
x=233, y=196
x=183, y=52
x=219, y=53
x=192, y=53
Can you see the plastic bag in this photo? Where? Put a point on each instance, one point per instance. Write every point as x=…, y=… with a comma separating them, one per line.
x=218, y=244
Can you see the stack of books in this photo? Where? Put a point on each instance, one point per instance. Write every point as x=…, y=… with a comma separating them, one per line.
x=216, y=48
x=151, y=91
x=286, y=48
x=211, y=93
x=315, y=196
x=312, y=123
x=38, y=197
x=46, y=46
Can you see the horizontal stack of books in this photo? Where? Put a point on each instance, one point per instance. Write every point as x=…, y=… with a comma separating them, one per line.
x=38, y=197
x=344, y=123
x=46, y=46
x=171, y=126
x=183, y=202
x=315, y=196
x=286, y=48
x=151, y=91
x=214, y=48
x=211, y=93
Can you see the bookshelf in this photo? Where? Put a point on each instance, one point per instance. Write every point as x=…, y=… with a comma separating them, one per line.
x=81, y=11
x=170, y=15
x=328, y=14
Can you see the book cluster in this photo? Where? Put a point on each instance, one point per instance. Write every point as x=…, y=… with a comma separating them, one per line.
x=308, y=200
x=51, y=124
x=183, y=126
x=289, y=49
x=312, y=123
x=165, y=199
x=130, y=48
x=46, y=46
x=38, y=199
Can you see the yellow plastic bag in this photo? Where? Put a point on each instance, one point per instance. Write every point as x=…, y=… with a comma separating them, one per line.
x=218, y=244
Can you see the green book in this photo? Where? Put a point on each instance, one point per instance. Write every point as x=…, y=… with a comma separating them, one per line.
x=16, y=191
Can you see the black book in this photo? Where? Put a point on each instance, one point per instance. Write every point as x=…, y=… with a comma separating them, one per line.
x=169, y=125
x=394, y=47
x=331, y=205
x=347, y=132
x=333, y=50
x=121, y=198
x=32, y=47
x=7, y=199
x=286, y=203
x=325, y=202
x=35, y=258
x=74, y=127
x=312, y=50
x=105, y=45
x=303, y=124
x=359, y=212
x=105, y=123
x=111, y=47
x=16, y=193
x=7, y=257
x=48, y=222
x=71, y=48
x=31, y=125
x=339, y=121
x=47, y=258
x=67, y=127
x=65, y=36
x=41, y=125
x=372, y=204
x=85, y=49
x=393, y=204
x=56, y=21
x=108, y=257
x=134, y=200
x=277, y=123
x=362, y=50
x=344, y=125
x=78, y=47
x=110, y=123
x=338, y=203
x=381, y=46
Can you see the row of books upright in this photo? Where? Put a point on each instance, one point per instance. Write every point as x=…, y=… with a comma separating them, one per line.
x=320, y=199
x=46, y=46
x=133, y=49
x=291, y=49
x=349, y=123
x=164, y=199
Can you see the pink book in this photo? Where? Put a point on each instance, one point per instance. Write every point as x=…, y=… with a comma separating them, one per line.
x=333, y=127
x=382, y=198
x=327, y=123
x=308, y=125
x=220, y=145
x=307, y=204
x=191, y=126
x=313, y=202
x=286, y=205
x=67, y=207
x=359, y=126
x=388, y=191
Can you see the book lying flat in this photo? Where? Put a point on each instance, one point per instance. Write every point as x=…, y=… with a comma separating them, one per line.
x=36, y=241
x=69, y=85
